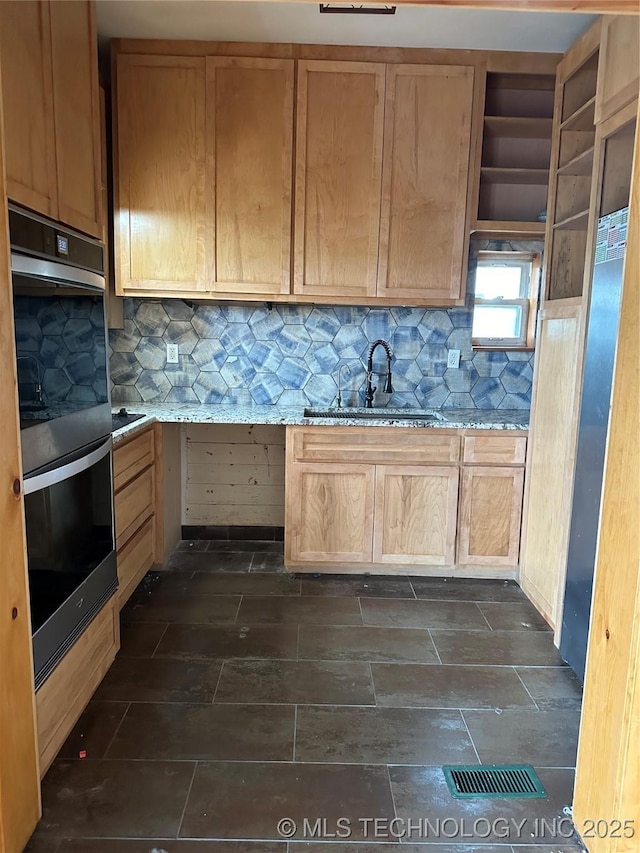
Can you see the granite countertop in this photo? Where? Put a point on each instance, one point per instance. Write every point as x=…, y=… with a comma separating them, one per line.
x=496, y=419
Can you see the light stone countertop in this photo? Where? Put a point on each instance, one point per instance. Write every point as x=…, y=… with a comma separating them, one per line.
x=496, y=419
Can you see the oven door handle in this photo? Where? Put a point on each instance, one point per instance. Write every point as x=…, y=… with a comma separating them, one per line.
x=55, y=272
x=64, y=472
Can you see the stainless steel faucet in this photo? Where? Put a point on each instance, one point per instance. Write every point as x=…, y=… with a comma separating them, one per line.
x=339, y=397
x=388, y=388
x=38, y=382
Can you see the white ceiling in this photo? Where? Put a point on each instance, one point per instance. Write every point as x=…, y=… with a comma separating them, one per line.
x=411, y=26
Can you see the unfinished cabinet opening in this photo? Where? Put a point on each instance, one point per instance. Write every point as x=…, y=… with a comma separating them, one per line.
x=516, y=149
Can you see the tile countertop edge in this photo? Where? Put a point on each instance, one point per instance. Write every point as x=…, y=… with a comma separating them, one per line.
x=219, y=414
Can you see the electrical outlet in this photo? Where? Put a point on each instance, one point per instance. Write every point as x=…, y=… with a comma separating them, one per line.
x=172, y=354
x=453, y=358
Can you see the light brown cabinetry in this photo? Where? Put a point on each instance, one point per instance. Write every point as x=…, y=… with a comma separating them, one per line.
x=204, y=171
x=27, y=88
x=340, y=113
x=427, y=143
x=386, y=498
x=490, y=514
x=619, y=72
x=51, y=106
x=331, y=512
x=137, y=485
x=76, y=99
x=162, y=241
x=67, y=691
x=415, y=515
x=205, y=175
x=249, y=158
x=516, y=147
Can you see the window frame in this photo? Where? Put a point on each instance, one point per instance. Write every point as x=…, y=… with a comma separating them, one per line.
x=527, y=301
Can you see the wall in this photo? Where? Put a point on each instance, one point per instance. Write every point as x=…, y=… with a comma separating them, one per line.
x=248, y=354
x=234, y=474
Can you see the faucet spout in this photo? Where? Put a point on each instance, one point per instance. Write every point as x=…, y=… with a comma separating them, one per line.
x=388, y=388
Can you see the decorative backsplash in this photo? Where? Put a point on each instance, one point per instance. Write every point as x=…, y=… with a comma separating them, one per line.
x=60, y=343
x=247, y=354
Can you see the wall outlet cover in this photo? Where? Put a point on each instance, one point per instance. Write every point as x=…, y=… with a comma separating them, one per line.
x=173, y=356
x=453, y=358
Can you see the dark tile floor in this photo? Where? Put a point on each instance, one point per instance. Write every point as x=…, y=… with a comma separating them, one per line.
x=243, y=695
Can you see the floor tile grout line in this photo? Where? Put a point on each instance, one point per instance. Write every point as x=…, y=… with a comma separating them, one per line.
x=117, y=729
x=393, y=799
x=235, y=618
x=215, y=692
x=484, y=615
x=295, y=731
x=297, y=644
x=473, y=743
x=515, y=669
x=157, y=645
x=373, y=686
x=433, y=643
x=186, y=802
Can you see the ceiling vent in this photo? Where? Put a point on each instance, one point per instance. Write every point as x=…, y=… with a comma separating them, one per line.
x=356, y=9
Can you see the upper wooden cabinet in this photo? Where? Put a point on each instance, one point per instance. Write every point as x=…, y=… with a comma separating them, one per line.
x=76, y=99
x=204, y=171
x=163, y=242
x=619, y=70
x=51, y=109
x=250, y=136
x=27, y=101
x=338, y=175
x=427, y=144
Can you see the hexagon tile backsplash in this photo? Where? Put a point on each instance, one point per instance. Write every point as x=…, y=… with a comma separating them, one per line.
x=289, y=354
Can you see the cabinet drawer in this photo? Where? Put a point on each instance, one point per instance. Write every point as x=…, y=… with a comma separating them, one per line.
x=495, y=449
x=131, y=458
x=67, y=691
x=374, y=444
x=133, y=505
x=134, y=560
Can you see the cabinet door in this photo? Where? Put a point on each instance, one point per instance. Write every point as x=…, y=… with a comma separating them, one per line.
x=27, y=99
x=427, y=140
x=415, y=515
x=329, y=513
x=619, y=66
x=161, y=235
x=250, y=135
x=490, y=513
x=340, y=113
x=74, y=53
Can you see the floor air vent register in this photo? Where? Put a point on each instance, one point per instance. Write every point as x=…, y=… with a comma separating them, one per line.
x=504, y=781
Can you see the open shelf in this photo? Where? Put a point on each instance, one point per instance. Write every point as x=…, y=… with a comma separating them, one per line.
x=583, y=118
x=581, y=164
x=518, y=127
x=497, y=175
x=575, y=222
x=516, y=150
x=507, y=227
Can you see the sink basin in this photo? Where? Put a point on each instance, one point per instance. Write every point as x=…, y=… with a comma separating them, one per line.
x=375, y=414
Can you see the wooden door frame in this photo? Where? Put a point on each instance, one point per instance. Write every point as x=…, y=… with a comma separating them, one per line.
x=19, y=769
x=594, y=7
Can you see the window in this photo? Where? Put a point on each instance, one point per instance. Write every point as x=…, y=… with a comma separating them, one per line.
x=505, y=300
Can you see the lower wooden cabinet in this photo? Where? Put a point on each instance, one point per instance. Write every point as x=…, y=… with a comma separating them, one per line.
x=331, y=514
x=415, y=515
x=136, y=466
x=490, y=516
x=67, y=691
x=440, y=513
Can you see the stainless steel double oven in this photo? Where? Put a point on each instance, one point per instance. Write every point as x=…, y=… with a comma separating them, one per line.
x=65, y=420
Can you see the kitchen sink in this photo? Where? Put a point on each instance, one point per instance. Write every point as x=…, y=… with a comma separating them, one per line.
x=376, y=414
